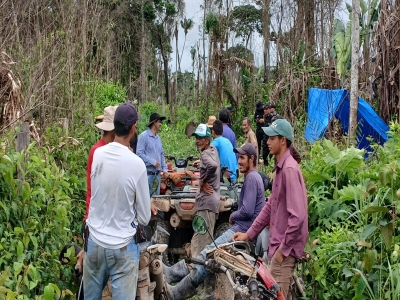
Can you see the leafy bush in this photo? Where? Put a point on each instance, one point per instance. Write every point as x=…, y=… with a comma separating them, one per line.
x=105, y=94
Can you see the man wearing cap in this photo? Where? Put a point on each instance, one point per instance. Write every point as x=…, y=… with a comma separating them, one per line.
x=208, y=194
x=251, y=202
x=120, y=201
x=250, y=135
x=108, y=134
x=151, y=151
x=226, y=155
x=286, y=209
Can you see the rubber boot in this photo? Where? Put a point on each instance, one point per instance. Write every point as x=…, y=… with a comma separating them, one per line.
x=183, y=290
x=176, y=272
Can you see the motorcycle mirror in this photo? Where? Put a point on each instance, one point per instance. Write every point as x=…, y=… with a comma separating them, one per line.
x=199, y=225
x=190, y=157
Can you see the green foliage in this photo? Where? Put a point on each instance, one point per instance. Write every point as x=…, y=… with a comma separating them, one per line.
x=245, y=19
x=105, y=94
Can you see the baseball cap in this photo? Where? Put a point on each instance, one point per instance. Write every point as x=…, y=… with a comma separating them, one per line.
x=280, y=127
x=202, y=131
x=107, y=123
x=246, y=149
x=125, y=116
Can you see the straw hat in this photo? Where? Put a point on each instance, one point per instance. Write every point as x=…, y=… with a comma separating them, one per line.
x=107, y=123
x=210, y=121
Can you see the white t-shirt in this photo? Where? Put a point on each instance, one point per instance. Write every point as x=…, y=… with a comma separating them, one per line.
x=120, y=196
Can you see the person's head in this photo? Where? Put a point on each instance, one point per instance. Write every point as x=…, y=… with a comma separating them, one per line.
x=230, y=109
x=280, y=134
x=272, y=108
x=259, y=104
x=223, y=116
x=107, y=124
x=125, y=121
x=203, y=137
x=247, y=159
x=155, y=122
x=266, y=109
x=246, y=125
x=218, y=128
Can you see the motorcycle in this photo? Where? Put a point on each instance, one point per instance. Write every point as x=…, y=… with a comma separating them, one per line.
x=239, y=275
x=150, y=285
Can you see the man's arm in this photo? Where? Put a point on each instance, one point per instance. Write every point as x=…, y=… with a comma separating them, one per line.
x=141, y=151
x=295, y=205
x=246, y=211
x=209, y=162
x=143, y=200
x=295, y=154
x=260, y=222
x=253, y=140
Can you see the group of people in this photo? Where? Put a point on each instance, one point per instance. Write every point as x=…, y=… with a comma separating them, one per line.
x=120, y=185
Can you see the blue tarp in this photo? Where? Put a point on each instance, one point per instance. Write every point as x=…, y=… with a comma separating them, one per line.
x=324, y=104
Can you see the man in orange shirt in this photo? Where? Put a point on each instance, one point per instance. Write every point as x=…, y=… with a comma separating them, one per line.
x=108, y=135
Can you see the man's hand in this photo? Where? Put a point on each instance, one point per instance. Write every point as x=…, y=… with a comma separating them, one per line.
x=157, y=164
x=279, y=256
x=165, y=175
x=240, y=236
x=154, y=210
x=206, y=188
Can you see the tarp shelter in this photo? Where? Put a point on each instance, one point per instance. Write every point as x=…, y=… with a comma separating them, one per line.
x=324, y=104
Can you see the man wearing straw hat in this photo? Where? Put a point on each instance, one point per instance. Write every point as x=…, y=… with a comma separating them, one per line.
x=108, y=134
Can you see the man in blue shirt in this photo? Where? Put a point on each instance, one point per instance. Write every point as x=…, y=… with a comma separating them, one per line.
x=226, y=155
x=151, y=151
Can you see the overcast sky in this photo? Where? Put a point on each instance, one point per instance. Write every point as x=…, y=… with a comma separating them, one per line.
x=194, y=11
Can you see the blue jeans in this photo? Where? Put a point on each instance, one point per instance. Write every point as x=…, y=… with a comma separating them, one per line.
x=121, y=264
x=199, y=272
x=152, y=190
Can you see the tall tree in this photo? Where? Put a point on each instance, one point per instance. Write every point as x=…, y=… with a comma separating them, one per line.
x=186, y=24
x=355, y=47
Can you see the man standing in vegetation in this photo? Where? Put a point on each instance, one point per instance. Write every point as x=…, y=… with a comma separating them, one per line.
x=285, y=211
x=259, y=119
x=251, y=202
x=151, y=151
x=226, y=155
x=208, y=195
x=224, y=117
x=107, y=127
x=250, y=135
x=120, y=201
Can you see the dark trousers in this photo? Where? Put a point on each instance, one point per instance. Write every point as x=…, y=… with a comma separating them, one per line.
x=259, y=136
x=265, y=151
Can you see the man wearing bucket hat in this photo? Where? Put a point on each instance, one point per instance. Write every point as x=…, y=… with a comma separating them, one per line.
x=108, y=134
x=208, y=195
x=286, y=210
x=151, y=151
x=120, y=202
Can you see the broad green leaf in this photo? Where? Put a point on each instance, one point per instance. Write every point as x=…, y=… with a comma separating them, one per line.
x=17, y=268
x=20, y=249
x=347, y=273
x=386, y=174
x=369, y=229
x=360, y=286
x=350, y=159
x=351, y=192
x=349, y=8
x=375, y=209
x=34, y=240
x=7, y=158
x=369, y=260
x=49, y=292
x=363, y=6
x=18, y=230
x=387, y=234
x=331, y=149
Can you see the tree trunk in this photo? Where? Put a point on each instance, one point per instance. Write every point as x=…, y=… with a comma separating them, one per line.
x=355, y=47
x=143, y=61
x=266, y=18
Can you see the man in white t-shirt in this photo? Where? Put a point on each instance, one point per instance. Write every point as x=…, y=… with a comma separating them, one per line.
x=120, y=201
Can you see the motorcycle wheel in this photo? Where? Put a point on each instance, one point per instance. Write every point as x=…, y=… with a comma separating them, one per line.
x=221, y=228
x=164, y=239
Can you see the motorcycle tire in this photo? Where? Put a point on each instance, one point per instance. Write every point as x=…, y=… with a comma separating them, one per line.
x=164, y=239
